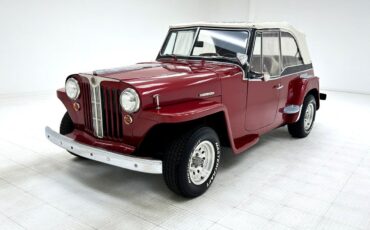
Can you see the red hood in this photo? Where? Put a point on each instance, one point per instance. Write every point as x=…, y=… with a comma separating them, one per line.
x=173, y=81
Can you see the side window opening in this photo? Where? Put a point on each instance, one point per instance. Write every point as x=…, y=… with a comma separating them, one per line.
x=256, y=60
x=271, y=53
x=289, y=50
x=266, y=53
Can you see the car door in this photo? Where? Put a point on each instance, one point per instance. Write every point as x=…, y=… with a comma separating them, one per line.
x=263, y=81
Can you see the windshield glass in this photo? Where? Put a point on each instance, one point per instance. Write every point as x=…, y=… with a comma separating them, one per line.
x=209, y=43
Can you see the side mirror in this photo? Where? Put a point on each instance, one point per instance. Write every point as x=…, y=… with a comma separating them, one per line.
x=266, y=76
x=242, y=58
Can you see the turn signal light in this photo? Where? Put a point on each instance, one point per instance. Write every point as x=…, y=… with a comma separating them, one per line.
x=76, y=106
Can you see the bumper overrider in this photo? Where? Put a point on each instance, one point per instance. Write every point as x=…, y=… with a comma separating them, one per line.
x=134, y=163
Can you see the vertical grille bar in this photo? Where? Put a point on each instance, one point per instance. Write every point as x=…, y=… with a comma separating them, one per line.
x=97, y=118
x=118, y=124
x=119, y=115
x=112, y=113
x=105, y=114
x=85, y=88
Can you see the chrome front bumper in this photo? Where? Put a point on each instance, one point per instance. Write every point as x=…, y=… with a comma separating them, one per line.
x=116, y=159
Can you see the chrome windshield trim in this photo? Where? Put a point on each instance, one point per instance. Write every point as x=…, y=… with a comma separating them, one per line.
x=146, y=165
x=196, y=33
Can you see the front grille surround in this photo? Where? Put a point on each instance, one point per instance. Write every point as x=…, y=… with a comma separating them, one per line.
x=101, y=108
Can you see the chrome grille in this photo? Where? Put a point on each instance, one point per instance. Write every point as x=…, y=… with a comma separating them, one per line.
x=86, y=103
x=112, y=115
x=93, y=114
x=97, y=118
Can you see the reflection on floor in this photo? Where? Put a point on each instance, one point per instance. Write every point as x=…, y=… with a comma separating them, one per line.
x=321, y=182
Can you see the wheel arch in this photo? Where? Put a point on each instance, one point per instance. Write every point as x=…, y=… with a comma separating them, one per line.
x=158, y=137
x=314, y=92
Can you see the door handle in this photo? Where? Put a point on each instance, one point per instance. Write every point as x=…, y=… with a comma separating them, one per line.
x=279, y=86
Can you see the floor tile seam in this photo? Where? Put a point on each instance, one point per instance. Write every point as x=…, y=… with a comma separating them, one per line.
x=44, y=202
x=13, y=221
x=338, y=193
x=130, y=213
x=33, y=151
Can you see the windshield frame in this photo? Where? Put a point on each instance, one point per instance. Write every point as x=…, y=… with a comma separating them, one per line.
x=196, y=57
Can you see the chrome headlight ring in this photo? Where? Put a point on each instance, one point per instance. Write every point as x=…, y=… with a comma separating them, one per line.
x=129, y=100
x=72, y=88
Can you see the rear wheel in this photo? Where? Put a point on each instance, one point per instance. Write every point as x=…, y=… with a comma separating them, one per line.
x=304, y=125
x=67, y=126
x=191, y=162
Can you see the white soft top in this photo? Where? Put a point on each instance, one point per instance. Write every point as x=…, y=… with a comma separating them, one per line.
x=299, y=36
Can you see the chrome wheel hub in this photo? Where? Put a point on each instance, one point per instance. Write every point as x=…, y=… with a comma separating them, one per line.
x=201, y=162
x=308, y=116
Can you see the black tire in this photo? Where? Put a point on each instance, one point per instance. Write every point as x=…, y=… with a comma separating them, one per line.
x=176, y=162
x=67, y=126
x=298, y=129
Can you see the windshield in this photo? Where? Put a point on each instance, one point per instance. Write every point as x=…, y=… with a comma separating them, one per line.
x=209, y=43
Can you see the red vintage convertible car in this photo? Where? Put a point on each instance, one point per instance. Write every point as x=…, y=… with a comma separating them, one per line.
x=212, y=85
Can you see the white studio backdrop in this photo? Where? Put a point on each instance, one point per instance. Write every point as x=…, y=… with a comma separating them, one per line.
x=42, y=42
x=337, y=33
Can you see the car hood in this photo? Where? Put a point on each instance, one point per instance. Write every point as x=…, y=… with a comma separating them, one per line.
x=172, y=81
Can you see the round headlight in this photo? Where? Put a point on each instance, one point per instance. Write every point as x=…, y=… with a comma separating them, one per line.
x=72, y=88
x=130, y=100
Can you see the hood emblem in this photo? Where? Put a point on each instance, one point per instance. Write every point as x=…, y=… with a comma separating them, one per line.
x=93, y=80
x=156, y=100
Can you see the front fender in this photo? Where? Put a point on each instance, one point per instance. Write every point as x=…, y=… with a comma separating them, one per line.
x=182, y=112
x=193, y=110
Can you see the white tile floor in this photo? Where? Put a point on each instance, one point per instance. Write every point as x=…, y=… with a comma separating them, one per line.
x=321, y=182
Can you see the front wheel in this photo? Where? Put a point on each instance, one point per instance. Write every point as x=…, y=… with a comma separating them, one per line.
x=304, y=125
x=66, y=127
x=191, y=162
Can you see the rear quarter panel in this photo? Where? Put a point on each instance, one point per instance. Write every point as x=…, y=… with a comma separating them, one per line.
x=298, y=85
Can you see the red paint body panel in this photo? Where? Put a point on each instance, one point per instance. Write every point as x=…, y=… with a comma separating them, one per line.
x=250, y=108
x=262, y=103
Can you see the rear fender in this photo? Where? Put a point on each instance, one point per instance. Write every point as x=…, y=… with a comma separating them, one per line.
x=299, y=88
